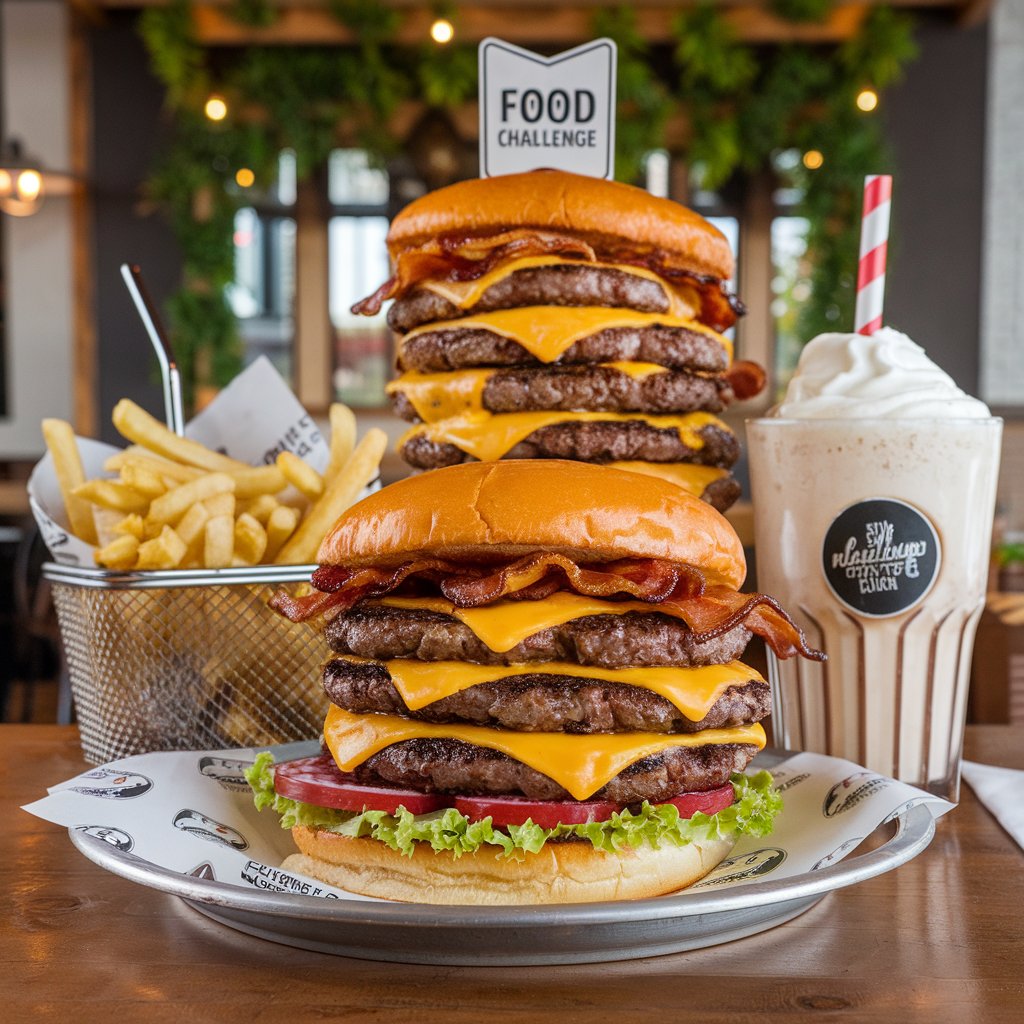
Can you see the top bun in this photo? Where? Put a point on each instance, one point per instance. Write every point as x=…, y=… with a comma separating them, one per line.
x=608, y=214
x=497, y=510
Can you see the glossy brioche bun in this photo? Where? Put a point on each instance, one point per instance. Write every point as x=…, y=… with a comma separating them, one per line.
x=608, y=214
x=559, y=873
x=487, y=511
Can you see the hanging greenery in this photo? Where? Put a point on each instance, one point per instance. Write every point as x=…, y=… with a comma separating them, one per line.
x=746, y=106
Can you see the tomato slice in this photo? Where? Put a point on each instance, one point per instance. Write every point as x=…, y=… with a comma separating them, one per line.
x=513, y=810
x=318, y=780
x=710, y=801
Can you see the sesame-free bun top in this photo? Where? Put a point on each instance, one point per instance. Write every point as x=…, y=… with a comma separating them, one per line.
x=492, y=511
x=609, y=215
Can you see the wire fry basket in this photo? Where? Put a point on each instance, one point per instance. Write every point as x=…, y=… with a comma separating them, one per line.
x=183, y=660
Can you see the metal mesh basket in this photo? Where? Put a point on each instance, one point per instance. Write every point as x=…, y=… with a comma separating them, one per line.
x=186, y=661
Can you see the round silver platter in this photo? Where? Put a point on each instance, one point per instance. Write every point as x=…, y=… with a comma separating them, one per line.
x=418, y=933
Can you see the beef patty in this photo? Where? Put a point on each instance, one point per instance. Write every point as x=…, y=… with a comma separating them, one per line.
x=460, y=348
x=594, y=388
x=543, y=703
x=565, y=285
x=591, y=442
x=452, y=766
x=604, y=641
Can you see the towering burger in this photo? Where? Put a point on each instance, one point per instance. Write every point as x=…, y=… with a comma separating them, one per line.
x=535, y=692
x=552, y=315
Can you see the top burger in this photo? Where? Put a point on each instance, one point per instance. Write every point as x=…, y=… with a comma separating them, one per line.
x=551, y=315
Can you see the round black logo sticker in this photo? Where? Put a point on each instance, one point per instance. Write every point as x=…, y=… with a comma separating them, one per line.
x=880, y=556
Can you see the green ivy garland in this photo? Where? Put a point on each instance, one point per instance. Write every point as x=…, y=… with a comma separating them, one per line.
x=746, y=106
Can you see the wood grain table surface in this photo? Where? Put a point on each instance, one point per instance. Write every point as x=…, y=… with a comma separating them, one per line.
x=938, y=939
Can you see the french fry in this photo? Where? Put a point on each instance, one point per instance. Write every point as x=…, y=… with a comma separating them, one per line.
x=256, y=480
x=163, y=552
x=106, y=522
x=191, y=529
x=113, y=495
x=303, y=477
x=137, y=425
x=261, y=508
x=219, y=542
x=221, y=505
x=343, y=438
x=131, y=526
x=341, y=492
x=280, y=526
x=250, y=540
x=67, y=464
x=144, y=480
x=170, y=507
x=163, y=468
x=118, y=554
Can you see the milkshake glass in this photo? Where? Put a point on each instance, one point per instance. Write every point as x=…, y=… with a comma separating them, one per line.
x=874, y=492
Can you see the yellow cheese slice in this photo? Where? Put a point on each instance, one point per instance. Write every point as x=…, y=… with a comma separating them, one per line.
x=692, y=690
x=693, y=479
x=581, y=764
x=683, y=300
x=547, y=332
x=490, y=436
x=440, y=396
x=503, y=624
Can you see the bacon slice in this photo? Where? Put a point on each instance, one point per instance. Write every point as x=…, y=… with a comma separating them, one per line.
x=466, y=258
x=746, y=379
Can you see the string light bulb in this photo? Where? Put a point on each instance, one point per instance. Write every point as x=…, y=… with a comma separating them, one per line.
x=244, y=177
x=21, y=182
x=216, y=108
x=867, y=100
x=813, y=159
x=442, y=31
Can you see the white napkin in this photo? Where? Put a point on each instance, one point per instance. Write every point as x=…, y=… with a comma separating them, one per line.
x=999, y=789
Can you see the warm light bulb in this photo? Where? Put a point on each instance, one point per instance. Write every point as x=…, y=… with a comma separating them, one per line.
x=216, y=108
x=244, y=178
x=442, y=31
x=867, y=100
x=29, y=186
x=813, y=159
x=6, y=184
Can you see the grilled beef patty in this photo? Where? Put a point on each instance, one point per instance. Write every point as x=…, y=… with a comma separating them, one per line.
x=594, y=388
x=452, y=766
x=544, y=703
x=604, y=641
x=460, y=348
x=591, y=442
x=567, y=285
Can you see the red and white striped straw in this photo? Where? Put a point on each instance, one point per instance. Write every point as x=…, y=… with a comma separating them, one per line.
x=874, y=247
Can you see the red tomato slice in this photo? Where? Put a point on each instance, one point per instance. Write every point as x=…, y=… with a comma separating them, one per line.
x=318, y=780
x=710, y=801
x=512, y=810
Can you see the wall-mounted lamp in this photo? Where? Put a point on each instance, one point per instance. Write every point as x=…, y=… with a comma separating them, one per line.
x=21, y=181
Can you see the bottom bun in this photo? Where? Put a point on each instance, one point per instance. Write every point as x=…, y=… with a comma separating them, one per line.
x=572, y=872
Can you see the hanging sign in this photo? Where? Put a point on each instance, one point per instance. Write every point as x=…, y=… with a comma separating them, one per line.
x=547, y=111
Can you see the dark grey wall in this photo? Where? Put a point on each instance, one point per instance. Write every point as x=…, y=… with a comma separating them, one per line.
x=127, y=104
x=935, y=123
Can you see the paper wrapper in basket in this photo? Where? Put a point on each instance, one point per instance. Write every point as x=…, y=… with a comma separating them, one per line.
x=158, y=665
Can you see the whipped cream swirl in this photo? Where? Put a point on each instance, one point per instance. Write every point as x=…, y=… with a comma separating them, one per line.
x=880, y=376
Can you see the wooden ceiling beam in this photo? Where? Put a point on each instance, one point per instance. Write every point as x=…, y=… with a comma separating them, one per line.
x=561, y=26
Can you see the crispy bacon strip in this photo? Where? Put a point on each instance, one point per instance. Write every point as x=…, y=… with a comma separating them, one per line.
x=720, y=609
x=466, y=258
x=746, y=379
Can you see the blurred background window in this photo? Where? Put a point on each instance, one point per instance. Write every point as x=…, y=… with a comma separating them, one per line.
x=359, y=195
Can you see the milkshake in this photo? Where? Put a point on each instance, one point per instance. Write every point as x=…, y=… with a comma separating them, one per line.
x=874, y=486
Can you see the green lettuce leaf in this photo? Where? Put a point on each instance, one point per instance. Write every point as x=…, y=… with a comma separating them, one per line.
x=753, y=813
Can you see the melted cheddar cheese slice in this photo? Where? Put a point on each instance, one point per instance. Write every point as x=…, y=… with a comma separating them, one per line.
x=693, y=691
x=440, y=396
x=683, y=301
x=581, y=764
x=694, y=479
x=503, y=624
x=490, y=436
x=547, y=332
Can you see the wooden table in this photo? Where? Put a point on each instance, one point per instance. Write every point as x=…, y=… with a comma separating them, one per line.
x=939, y=939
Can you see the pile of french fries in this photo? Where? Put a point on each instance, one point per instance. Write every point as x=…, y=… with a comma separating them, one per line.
x=172, y=503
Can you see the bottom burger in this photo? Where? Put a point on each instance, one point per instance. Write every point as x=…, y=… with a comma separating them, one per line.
x=535, y=692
